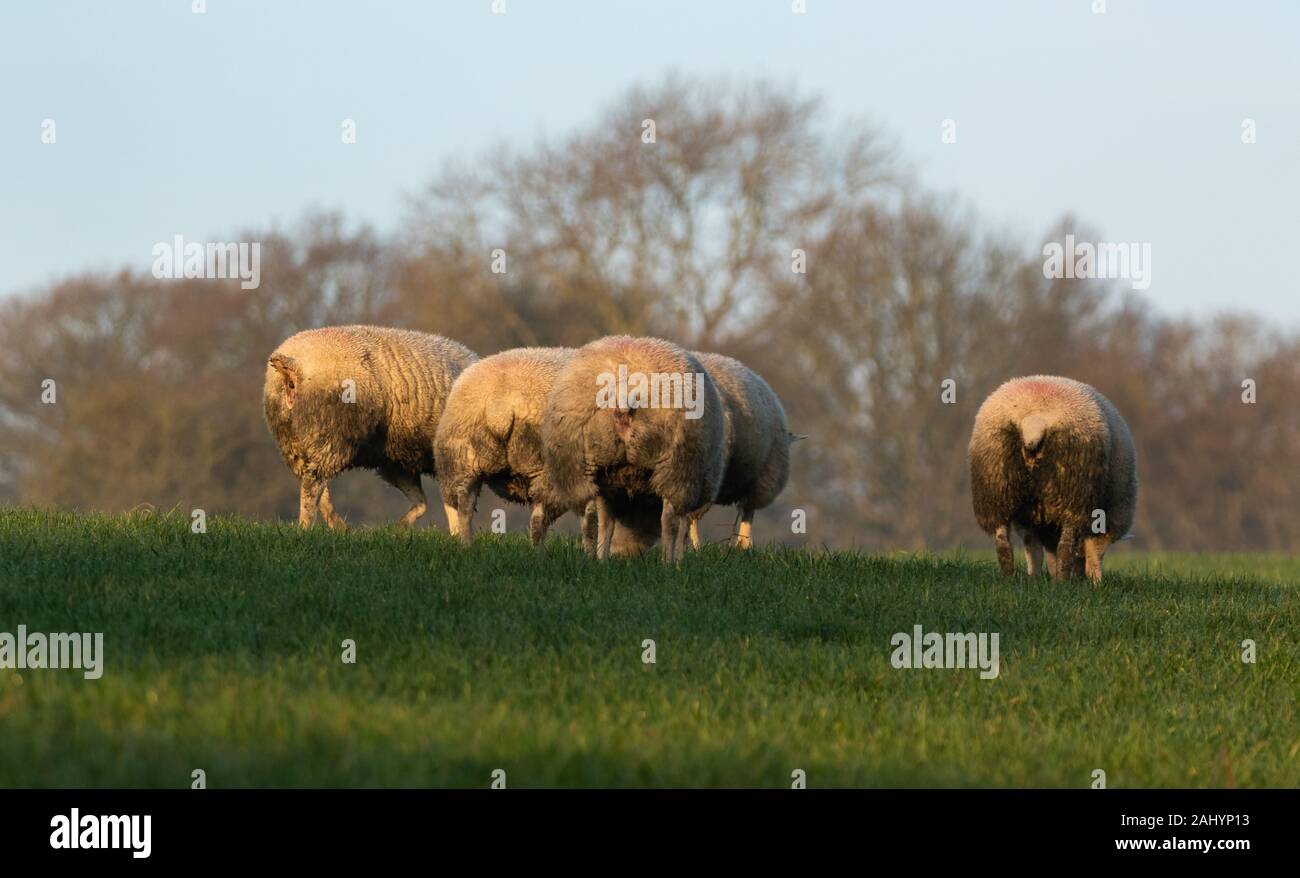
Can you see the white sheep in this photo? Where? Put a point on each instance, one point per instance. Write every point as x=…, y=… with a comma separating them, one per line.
x=360, y=396
x=635, y=417
x=1052, y=459
x=491, y=434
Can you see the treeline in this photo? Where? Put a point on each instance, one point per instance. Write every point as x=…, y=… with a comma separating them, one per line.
x=697, y=236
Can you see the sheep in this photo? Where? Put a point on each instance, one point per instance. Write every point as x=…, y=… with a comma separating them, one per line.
x=756, y=448
x=756, y=444
x=1046, y=455
x=360, y=396
x=631, y=418
x=491, y=433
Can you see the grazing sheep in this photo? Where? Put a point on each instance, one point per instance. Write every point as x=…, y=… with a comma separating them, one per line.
x=756, y=445
x=360, y=396
x=491, y=433
x=1046, y=454
x=630, y=418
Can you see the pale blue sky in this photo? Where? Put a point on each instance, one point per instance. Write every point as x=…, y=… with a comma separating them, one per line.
x=170, y=122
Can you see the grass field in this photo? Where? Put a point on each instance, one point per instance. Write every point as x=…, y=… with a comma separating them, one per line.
x=223, y=653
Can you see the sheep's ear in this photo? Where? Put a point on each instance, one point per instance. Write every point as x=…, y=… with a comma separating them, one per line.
x=795, y=437
x=286, y=366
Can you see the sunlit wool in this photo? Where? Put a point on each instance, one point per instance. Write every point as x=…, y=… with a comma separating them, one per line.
x=603, y=453
x=756, y=447
x=491, y=434
x=1052, y=459
x=360, y=396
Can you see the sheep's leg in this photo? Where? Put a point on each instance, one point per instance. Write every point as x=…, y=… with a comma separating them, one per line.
x=1051, y=563
x=309, y=495
x=409, y=484
x=670, y=524
x=540, y=521
x=332, y=518
x=1067, y=552
x=587, y=515
x=604, y=528
x=679, y=550
x=743, y=539
x=453, y=517
x=1094, y=547
x=1033, y=554
x=466, y=503
x=537, y=524
x=694, y=521
x=1006, y=561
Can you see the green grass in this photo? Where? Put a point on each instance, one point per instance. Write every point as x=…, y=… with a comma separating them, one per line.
x=223, y=653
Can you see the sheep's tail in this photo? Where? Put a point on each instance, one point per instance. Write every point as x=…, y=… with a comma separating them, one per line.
x=499, y=417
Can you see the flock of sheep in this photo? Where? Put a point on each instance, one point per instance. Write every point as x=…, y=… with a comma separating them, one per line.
x=1050, y=458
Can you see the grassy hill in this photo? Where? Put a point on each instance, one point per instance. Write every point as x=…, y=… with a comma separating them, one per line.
x=223, y=652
